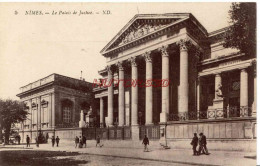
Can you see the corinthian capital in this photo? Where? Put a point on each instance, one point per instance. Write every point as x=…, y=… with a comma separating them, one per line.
x=147, y=56
x=184, y=44
x=164, y=50
x=133, y=62
x=120, y=65
x=109, y=69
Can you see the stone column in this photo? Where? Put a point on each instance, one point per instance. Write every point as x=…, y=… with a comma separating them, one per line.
x=255, y=91
x=148, y=89
x=134, y=101
x=101, y=112
x=184, y=84
x=134, y=93
x=121, y=95
x=110, y=97
x=198, y=97
x=165, y=89
x=244, y=92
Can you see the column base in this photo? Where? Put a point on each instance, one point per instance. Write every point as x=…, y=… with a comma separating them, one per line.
x=149, y=124
x=135, y=132
x=163, y=117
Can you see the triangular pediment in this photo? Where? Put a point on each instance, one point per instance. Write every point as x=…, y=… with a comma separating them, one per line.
x=142, y=25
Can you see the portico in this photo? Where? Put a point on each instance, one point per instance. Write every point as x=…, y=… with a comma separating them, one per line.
x=162, y=73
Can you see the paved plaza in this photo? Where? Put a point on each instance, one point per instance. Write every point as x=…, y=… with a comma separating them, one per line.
x=156, y=154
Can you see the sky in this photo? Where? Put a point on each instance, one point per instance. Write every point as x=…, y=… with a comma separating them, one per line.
x=35, y=46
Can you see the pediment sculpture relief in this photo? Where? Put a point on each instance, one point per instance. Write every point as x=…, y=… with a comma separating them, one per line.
x=138, y=30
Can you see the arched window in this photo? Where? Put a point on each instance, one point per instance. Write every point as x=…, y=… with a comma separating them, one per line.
x=67, y=106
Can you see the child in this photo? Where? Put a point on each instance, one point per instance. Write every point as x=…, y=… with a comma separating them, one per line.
x=145, y=142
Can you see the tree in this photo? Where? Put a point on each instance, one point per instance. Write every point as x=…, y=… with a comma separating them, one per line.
x=242, y=33
x=11, y=112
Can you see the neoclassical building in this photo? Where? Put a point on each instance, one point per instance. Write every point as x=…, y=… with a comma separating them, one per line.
x=54, y=104
x=210, y=89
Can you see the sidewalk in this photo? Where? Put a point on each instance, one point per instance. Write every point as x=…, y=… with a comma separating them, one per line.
x=158, y=154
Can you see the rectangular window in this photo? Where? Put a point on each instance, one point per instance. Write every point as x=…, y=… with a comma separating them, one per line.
x=66, y=115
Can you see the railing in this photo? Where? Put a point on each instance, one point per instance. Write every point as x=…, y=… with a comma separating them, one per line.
x=228, y=112
x=110, y=133
x=152, y=132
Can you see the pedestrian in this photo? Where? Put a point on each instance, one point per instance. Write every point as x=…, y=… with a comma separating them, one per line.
x=76, y=141
x=145, y=142
x=57, y=141
x=98, y=142
x=47, y=137
x=27, y=141
x=203, y=144
x=84, y=140
x=194, y=144
x=53, y=141
x=18, y=139
x=37, y=141
x=80, y=142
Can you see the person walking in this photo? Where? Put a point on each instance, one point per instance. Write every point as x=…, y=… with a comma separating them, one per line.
x=18, y=139
x=27, y=141
x=203, y=144
x=47, y=137
x=37, y=141
x=76, y=141
x=80, y=142
x=98, y=142
x=194, y=144
x=57, y=141
x=145, y=142
x=53, y=141
x=84, y=140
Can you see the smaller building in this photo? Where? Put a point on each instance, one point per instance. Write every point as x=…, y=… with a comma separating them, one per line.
x=54, y=104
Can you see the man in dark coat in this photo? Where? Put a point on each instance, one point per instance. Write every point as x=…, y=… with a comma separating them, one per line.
x=76, y=141
x=203, y=144
x=194, y=144
x=53, y=141
x=145, y=142
x=84, y=140
x=57, y=141
x=27, y=141
x=18, y=139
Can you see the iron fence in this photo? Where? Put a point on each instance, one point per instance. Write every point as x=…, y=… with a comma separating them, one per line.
x=110, y=133
x=228, y=112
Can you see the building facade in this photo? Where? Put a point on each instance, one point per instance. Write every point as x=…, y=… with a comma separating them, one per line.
x=54, y=104
x=167, y=77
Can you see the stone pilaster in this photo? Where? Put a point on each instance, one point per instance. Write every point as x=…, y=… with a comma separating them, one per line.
x=110, y=97
x=165, y=89
x=39, y=113
x=50, y=111
x=53, y=103
x=134, y=93
x=148, y=89
x=30, y=115
x=101, y=112
x=121, y=95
